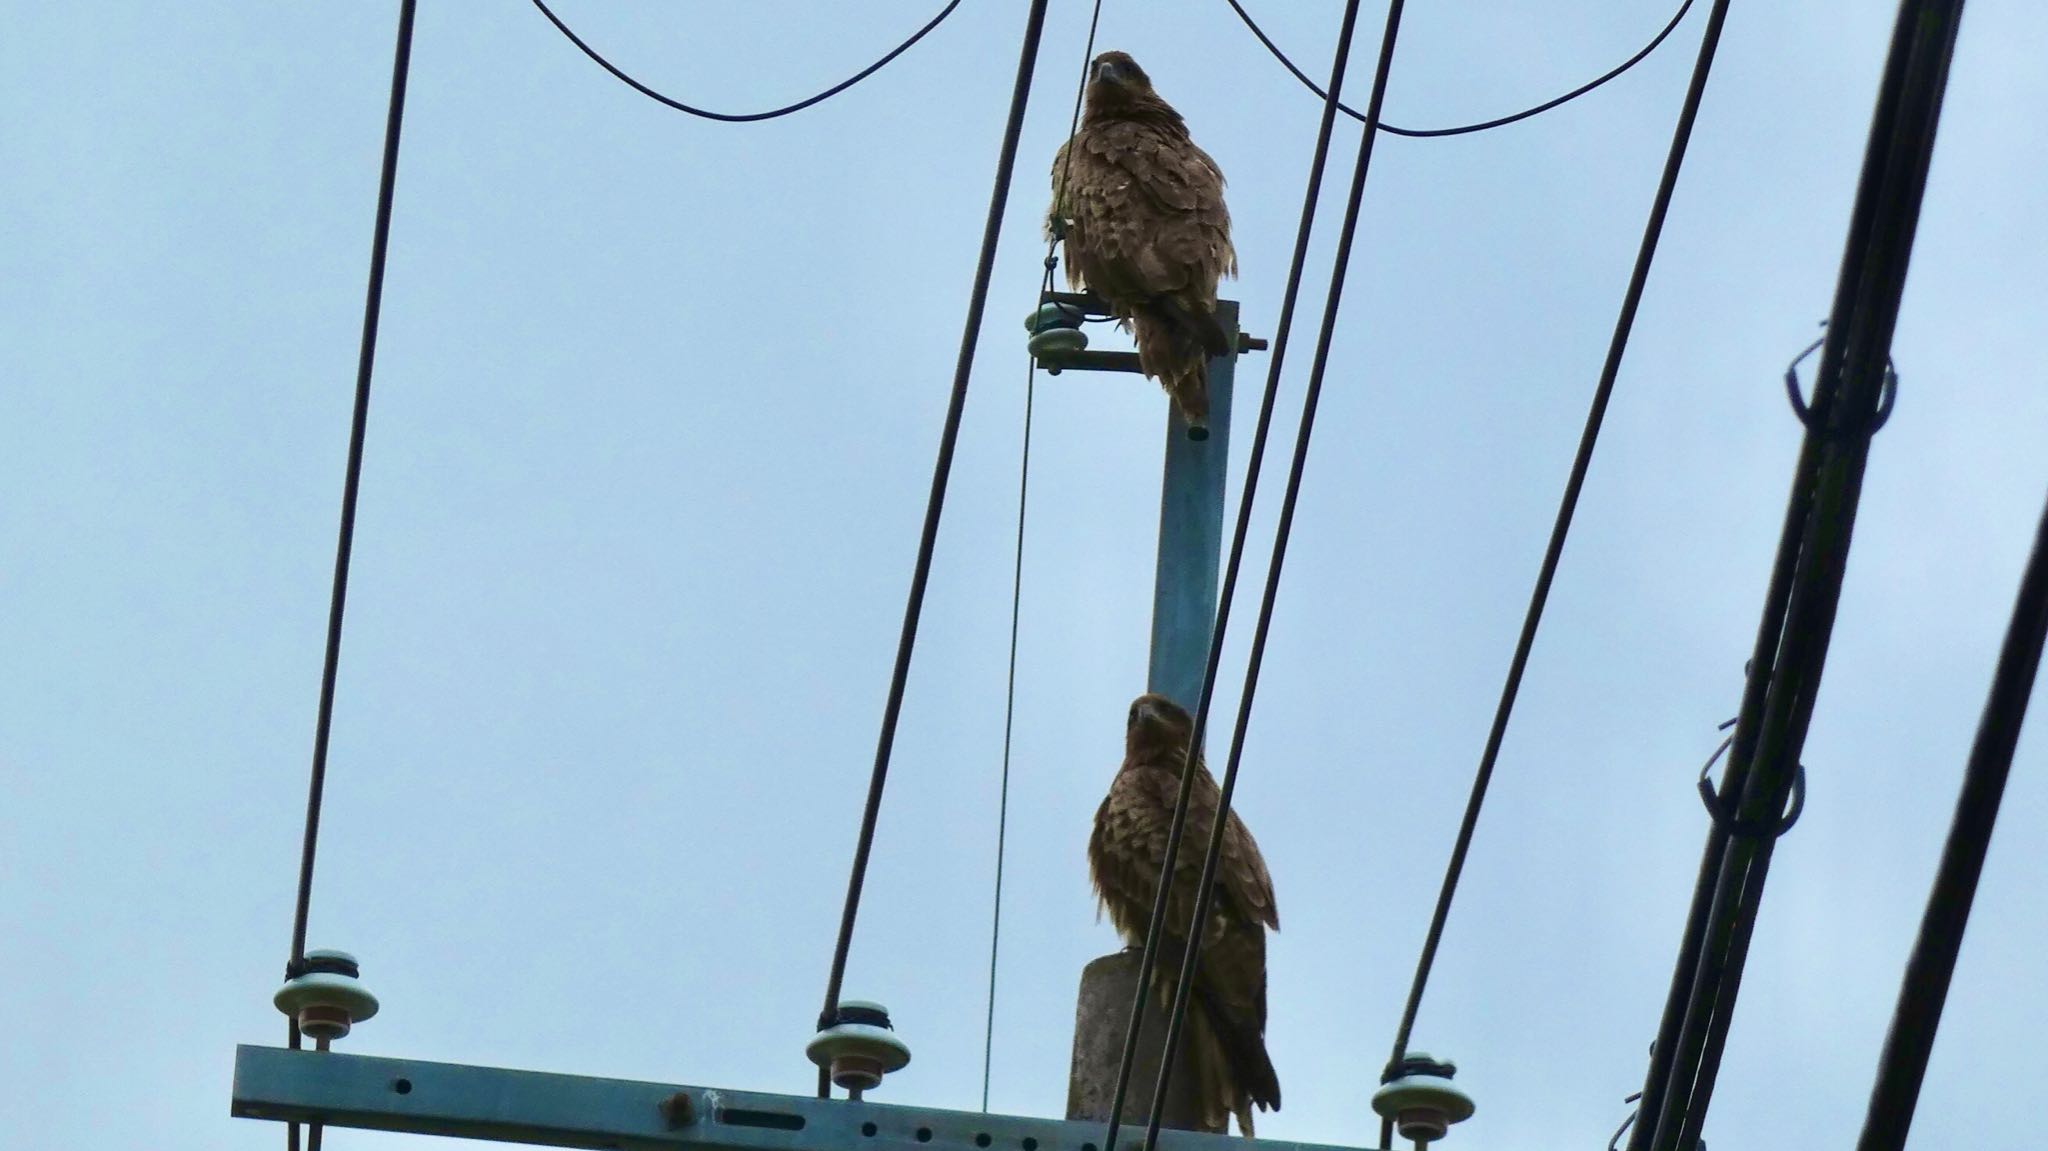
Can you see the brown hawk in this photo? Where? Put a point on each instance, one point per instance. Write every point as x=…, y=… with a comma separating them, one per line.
x=1225, y=1033
x=1141, y=210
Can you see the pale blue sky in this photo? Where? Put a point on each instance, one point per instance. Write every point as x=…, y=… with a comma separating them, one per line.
x=654, y=418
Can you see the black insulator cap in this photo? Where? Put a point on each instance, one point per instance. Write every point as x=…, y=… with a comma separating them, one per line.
x=863, y=1014
x=323, y=965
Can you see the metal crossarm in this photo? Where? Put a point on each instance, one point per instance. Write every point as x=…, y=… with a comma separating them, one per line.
x=533, y=1107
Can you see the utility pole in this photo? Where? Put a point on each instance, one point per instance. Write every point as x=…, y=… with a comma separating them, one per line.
x=1191, y=534
x=1183, y=622
x=1190, y=491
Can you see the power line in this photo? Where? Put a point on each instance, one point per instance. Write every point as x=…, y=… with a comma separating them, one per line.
x=1790, y=653
x=1205, y=887
x=1311, y=195
x=995, y=931
x=942, y=468
x=1484, y=125
x=1617, y=346
x=745, y=117
x=366, y=359
x=1057, y=224
x=1924, y=990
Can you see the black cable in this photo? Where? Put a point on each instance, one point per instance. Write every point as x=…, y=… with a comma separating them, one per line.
x=366, y=358
x=1933, y=963
x=746, y=117
x=1484, y=125
x=1311, y=195
x=1020, y=95
x=1792, y=639
x=1617, y=346
x=995, y=931
x=1017, y=581
x=1056, y=226
x=1615, y=1140
x=1205, y=890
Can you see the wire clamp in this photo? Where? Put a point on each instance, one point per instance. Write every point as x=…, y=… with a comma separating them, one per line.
x=1722, y=812
x=1887, y=397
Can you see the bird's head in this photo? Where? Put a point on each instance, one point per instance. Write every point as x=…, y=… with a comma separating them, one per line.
x=1156, y=726
x=1115, y=81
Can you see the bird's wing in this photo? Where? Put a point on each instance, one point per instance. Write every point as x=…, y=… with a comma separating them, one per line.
x=1132, y=826
x=1175, y=194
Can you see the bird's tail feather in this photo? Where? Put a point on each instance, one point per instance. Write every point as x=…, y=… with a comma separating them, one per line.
x=1173, y=353
x=1201, y=322
x=1226, y=1050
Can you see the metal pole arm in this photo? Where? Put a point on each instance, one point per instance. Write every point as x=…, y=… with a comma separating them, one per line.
x=550, y=1110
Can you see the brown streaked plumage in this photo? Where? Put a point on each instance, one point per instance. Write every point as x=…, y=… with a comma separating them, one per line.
x=1145, y=227
x=1225, y=1035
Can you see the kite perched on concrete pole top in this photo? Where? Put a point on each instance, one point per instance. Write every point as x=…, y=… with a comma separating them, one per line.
x=1225, y=1036
x=1140, y=209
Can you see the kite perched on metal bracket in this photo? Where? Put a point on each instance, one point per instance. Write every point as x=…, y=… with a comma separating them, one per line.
x=1140, y=209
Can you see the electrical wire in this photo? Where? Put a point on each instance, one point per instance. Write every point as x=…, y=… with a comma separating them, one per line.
x=1205, y=890
x=1057, y=224
x=1910, y=1039
x=1282, y=331
x=995, y=931
x=1790, y=654
x=1017, y=585
x=1603, y=391
x=745, y=117
x=942, y=468
x=366, y=358
x=1484, y=125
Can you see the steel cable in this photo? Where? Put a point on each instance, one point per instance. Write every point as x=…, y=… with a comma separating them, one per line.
x=942, y=468
x=1553, y=553
x=995, y=931
x=1924, y=990
x=366, y=358
x=1792, y=641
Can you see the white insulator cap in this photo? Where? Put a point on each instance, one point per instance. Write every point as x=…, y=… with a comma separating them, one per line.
x=1422, y=1101
x=324, y=994
x=860, y=1047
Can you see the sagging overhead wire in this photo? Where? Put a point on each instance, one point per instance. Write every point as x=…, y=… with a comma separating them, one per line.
x=942, y=468
x=1483, y=125
x=1253, y=467
x=1603, y=391
x=366, y=358
x=744, y=117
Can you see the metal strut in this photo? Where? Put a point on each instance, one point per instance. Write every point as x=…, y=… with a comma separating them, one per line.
x=532, y=1107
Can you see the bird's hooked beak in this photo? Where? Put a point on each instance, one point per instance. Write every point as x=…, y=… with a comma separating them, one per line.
x=1145, y=713
x=1106, y=72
